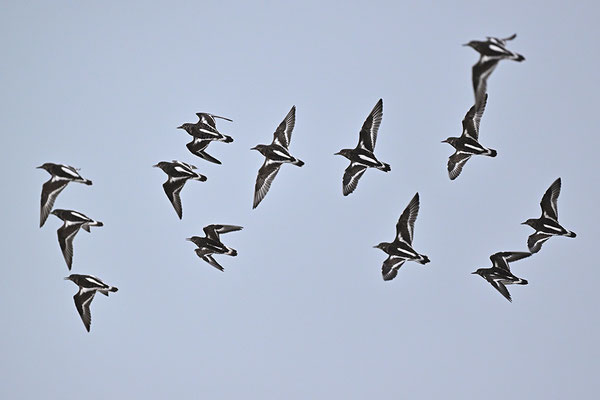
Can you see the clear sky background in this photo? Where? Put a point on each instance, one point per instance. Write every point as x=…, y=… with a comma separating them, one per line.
x=302, y=312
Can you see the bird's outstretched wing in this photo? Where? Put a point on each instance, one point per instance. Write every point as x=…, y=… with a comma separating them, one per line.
x=209, y=259
x=50, y=191
x=351, y=176
x=283, y=133
x=549, y=201
x=213, y=231
x=501, y=259
x=535, y=241
x=82, y=302
x=66, y=234
x=406, y=223
x=456, y=163
x=473, y=118
x=172, y=188
x=499, y=286
x=368, y=132
x=265, y=177
x=390, y=267
x=480, y=73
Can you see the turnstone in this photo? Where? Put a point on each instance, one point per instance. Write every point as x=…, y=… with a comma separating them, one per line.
x=275, y=154
x=211, y=243
x=88, y=286
x=400, y=250
x=362, y=156
x=499, y=275
x=206, y=128
x=179, y=172
x=547, y=225
x=204, y=132
x=72, y=221
x=467, y=144
x=491, y=52
x=61, y=176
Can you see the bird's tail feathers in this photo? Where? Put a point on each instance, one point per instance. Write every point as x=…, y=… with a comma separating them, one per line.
x=518, y=57
x=232, y=252
x=227, y=139
x=424, y=259
x=87, y=182
x=571, y=234
x=386, y=167
x=298, y=163
x=492, y=153
x=110, y=289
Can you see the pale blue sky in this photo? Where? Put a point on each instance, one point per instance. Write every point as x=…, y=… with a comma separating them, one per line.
x=302, y=312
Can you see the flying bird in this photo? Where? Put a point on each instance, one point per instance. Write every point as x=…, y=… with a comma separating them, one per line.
x=72, y=222
x=61, y=176
x=400, y=250
x=499, y=275
x=179, y=172
x=275, y=154
x=547, y=225
x=362, y=156
x=88, y=286
x=211, y=243
x=491, y=52
x=204, y=132
x=468, y=144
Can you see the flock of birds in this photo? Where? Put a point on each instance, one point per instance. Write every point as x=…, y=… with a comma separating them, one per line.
x=362, y=157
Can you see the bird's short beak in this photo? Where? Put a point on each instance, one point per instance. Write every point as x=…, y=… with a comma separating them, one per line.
x=473, y=272
x=253, y=148
x=66, y=278
x=188, y=239
x=40, y=167
x=375, y=247
x=465, y=44
x=337, y=154
x=523, y=223
x=445, y=141
x=155, y=165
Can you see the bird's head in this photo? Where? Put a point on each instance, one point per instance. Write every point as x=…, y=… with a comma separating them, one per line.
x=186, y=127
x=479, y=272
x=344, y=152
x=450, y=140
x=70, y=277
x=382, y=246
x=58, y=212
x=260, y=148
x=193, y=239
x=161, y=165
x=46, y=166
x=531, y=222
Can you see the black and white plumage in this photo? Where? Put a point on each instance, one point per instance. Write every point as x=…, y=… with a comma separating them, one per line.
x=362, y=156
x=499, y=275
x=61, y=176
x=276, y=154
x=179, y=172
x=88, y=286
x=206, y=128
x=211, y=243
x=72, y=222
x=491, y=52
x=400, y=250
x=468, y=144
x=204, y=132
x=547, y=225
